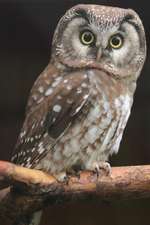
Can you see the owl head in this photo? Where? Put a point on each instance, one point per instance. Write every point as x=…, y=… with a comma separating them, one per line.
x=100, y=37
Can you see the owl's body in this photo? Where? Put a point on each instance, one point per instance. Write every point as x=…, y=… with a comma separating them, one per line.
x=96, y=132
x=80, y=104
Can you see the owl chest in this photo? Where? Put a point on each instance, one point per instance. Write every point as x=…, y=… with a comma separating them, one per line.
x=93, y=136
x=97, y=133
x=94, y=126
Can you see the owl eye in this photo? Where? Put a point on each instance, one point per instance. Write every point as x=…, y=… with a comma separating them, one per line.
x=116, y=41
x=87, y=38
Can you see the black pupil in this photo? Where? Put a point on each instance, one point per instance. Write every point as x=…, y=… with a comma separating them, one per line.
x=87, y=37
x=116, y=41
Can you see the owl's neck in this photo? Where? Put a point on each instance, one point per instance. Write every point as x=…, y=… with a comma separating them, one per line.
x=124, y=82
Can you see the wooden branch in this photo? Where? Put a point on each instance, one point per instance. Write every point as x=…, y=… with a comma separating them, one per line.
x=35, y=189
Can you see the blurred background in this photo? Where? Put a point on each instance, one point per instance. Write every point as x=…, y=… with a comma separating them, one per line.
x=26, y=29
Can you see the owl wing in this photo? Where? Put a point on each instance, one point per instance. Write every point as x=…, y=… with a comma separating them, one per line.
x=47, y=120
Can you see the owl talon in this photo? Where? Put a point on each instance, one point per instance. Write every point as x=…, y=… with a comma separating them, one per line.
x=98, y=167
x=65, y=176
x=62, y=177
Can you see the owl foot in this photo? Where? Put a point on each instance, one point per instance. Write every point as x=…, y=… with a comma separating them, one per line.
x=72, y=171
x=97, y=167
x=64, y=177
x=61, y=177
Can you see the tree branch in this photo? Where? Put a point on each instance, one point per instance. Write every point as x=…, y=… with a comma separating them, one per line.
x=35, y=189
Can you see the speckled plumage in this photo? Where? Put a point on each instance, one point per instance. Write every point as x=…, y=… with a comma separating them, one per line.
x=79, y=106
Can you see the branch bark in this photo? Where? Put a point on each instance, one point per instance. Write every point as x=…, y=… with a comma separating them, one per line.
x=34, y=189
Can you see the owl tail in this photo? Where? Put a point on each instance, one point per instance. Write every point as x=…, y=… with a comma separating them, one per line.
x=34, y=219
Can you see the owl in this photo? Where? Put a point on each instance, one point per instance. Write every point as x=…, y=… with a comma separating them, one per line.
x=79, y=105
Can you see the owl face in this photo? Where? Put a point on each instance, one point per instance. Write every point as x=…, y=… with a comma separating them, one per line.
x=100, y=37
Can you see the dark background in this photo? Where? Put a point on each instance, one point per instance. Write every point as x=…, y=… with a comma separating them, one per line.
x=26, y=29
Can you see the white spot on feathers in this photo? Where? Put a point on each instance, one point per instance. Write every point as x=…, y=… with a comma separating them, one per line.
x=41, y=149
x=79, y=90
x=54, y=119
x=78, y=109
x=33, y=149
x=69, y=87
x=65, y=81
x=69, y=101
x=42, y=122
x=40, y=100
x=41, y=89
x=85, y=76
x=28, y=159
x=13, y=157
x=57, y=108
x=59, y=97
x=31, y=139
x=84, y=85
x=34, y=97
x=40, y=144
x=33, y=126
x=45, y=135
x=49, y=91
x=22, y=134
x=56, y=82
x=85, y=97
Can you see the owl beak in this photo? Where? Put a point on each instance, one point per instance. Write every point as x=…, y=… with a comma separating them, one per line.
x=99, y=54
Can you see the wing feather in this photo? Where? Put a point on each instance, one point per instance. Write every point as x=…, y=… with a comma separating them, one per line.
x=47, y=120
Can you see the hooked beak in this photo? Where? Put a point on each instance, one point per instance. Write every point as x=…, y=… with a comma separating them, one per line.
x=99, y=54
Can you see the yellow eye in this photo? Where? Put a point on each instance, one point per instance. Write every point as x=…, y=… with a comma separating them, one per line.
x=87, y=38
x=116, y=41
